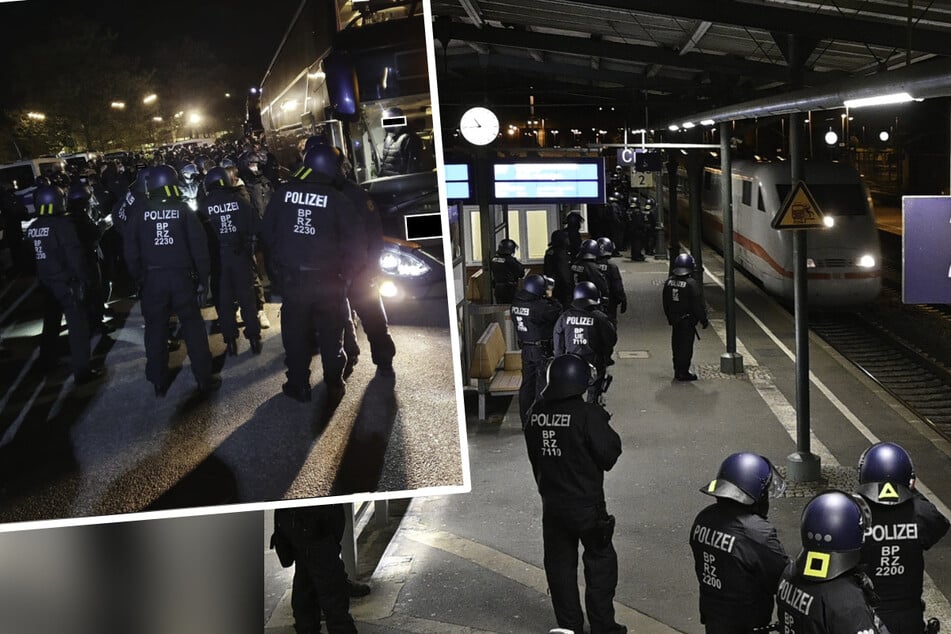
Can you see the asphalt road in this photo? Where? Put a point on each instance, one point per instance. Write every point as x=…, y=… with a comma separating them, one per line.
x=112, y=446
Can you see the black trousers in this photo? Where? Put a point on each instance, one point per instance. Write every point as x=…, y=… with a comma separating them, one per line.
x=58, y=301
x=562, y=529
x=320, y=580
x=313, y=303
x=908, y=621
x=168, y=292
x=365, y=300
x=236, y=284
x=681, y=342
x=504, y=293
x=535, y=360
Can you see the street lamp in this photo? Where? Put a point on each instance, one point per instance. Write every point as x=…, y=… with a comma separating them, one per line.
x=118, y=105
x=36, y=116
x=149, y=99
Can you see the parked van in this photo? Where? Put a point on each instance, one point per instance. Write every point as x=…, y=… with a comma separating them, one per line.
x=22, y=175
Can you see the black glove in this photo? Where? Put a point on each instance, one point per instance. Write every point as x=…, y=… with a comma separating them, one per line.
x=704, y=323
x=623, y=308
x=201, y=293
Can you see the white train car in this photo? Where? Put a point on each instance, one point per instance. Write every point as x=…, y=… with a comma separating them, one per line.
x=843, y=263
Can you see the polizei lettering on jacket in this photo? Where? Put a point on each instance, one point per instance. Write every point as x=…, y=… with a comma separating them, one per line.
x=892, y=532
x=551, y=420
x=220, y=209
x=162, y=214
x=794, y=597
x=713, y=538
x=524, y=311
x=573, y=320
x=38, y=232
x=308, y=199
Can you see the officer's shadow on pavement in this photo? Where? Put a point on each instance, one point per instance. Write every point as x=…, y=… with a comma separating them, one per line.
x=675, y=396
x=362, y=464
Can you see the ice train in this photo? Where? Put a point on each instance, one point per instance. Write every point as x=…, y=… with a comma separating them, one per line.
x=843, y=263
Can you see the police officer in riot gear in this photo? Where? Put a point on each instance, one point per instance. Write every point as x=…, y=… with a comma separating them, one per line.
x=506, y=271
x=573, y=222
x=822, y=591
x=648, y=225
x=586, y=269
x=64, y=275
x=233, y=225
x=167, y=252
x=557, y=266
x=583, y=329
x=684, y=308
x=78, y=207
x=534, y=314
x=635, y=230
x=736, y=552
x=617, y=298
x=570, y=445
x=904, y=524
x=307, y=228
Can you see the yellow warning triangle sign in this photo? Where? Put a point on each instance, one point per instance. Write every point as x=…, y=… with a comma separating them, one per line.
x=888, y=492
x=799, y=211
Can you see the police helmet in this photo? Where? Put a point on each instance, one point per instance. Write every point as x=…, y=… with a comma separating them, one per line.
x=586, y=294
x=507, y=246
x=574, y=219
x=79, y=191
x=590, y=250
x=559, y=238
x=747, y=478
x=162, y=182
x=321, y=163
x=568, y=375
x=886, y=474
x=226, y=162
x=42, y=180
x=649, y=204
x=607, y=246
x=684, y=264
x=49, y=200
x=190, y=174
x=832, y=529
x=218, y=178
x=139, y=186
x=549, y=282
x=635, y=203
x=314, y=141
x=535, y=284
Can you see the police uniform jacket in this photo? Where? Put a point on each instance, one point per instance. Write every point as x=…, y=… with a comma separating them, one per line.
x=587, y=332
x=506, y=270
x=59, y=253
x=895, y=542
x=128, y=206
x=167, y=234
x=588, y=271
x=612, y=274
x=738, y=560
x=683, y=299
x=534, y=318
x=557, y=266
x=308, y=226
x=367, y=217
x=836, y=606
x=570, y=445
x=233, y=220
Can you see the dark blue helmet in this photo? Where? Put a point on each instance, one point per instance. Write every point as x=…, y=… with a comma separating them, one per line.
x=507, y=247
x=574, y=219
x=79, y=191
x=218, y=178
x=139, y=186
x=559, y=238
x=568, y=375
x=684, y=264
x=833, y=531
x=886, y=474
x=607, y=246
x=49, y=200
x=535, y=284
x=586, y=294
x=190, y=174
x=747, y=478
x=314, y=141
x=162, y=182
x=321, y=164
x=590, y=250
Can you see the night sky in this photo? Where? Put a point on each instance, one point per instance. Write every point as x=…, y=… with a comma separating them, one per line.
x=246, y=32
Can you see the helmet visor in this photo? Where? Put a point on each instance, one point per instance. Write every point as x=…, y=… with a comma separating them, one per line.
x=777, y=484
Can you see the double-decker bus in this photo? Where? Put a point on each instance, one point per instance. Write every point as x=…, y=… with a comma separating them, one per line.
x=357, y=73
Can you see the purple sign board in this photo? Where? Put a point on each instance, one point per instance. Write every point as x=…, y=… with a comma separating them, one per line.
x=926, y=234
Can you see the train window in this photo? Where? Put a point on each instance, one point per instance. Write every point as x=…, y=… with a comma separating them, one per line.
x=847, y=199
x=747, y=192
x=759, y=199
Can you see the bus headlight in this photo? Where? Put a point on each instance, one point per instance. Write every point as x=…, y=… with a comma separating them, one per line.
x=867, y=261
x=388, y=289
x=402, y=264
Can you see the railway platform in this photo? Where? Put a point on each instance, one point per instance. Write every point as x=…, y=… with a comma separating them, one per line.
x=473, y=562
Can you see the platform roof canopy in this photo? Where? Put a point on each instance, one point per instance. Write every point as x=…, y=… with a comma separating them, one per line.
x=674, y=57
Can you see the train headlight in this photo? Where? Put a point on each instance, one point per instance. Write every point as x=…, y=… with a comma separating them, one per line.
x=810, y=263
x=828, y=221
x=402, y=264
x=867, y=261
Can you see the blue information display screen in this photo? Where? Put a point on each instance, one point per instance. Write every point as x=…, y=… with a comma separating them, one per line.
x=457, y=182
x=556, y=181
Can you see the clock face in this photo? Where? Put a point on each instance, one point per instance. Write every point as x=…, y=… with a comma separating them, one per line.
x=479, y=126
